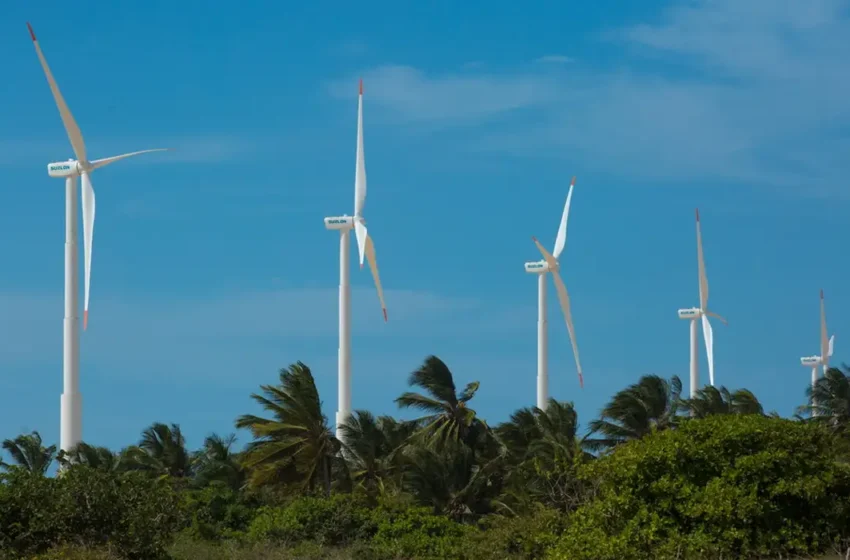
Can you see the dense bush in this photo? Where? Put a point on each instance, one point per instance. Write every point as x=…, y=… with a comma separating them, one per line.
x=730, y=486
x=217, y=511
x=337, y=520
x=133, y=514
x=648, y=482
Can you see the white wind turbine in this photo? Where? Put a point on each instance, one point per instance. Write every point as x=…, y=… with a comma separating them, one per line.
x=71, y=403
x=540, y=268
x=703, y=312
x=826, y=347
x=366, y=248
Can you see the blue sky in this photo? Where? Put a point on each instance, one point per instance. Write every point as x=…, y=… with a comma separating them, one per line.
x=212, y=268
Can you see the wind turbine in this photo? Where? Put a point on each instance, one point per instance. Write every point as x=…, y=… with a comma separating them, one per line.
x=71, y=402
x=826, y=347
x=540, y=268
x=703, y=312
x=366, y=248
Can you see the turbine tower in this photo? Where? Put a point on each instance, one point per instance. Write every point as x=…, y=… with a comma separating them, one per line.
x=366, y=248
x=702, y=312
x=71, y=402
x=540, y=268
x=826, y=347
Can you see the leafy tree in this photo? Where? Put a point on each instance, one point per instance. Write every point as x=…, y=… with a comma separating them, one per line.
x=731, y=486
x=29, y=453
x=448, y=416
x=709, y=400
x=649, y=405
x=296, y=445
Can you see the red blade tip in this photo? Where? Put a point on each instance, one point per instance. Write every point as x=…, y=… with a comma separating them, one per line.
x=361, y=86
x=385, y=315
x=533, y=238
x=821, y=294
x=581, y=380
x=85, y=319
x=573, y=182
x=32, y=33
x=697, y=211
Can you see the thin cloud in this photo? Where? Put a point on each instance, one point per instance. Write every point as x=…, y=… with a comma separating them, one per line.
x=413, y=95
x=200, y=334
x=732, y=90
x=554, y=59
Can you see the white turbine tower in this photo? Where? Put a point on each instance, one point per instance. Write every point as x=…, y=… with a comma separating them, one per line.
x=826, y=347
x=540, y=268
x=71, y=403
x=366, y=248
x=703, y=312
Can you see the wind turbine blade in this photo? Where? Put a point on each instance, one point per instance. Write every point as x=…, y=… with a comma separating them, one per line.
x=703, y=280
x=373, y=265
x=360, y=170
x=561, y=239
x=550, y=260
x=98, y=163
x=88, y=233
x=564, y=299
x=709, y=347
x=824, y=337
x=74, y=134
x=362, y=235
x=716, y=316
x=831, y=345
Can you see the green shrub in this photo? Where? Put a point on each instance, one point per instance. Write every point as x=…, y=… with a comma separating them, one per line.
x=132, y=513
x=418, y=534
x=728, y=485
x=218, y=511
x=526, y=537
x=333, y=521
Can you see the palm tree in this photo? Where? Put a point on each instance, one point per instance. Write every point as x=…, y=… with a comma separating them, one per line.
x=29, y=453
x=372, y=448
x=217, y=461
x=451, y=479
x=543, y=452
x=162, y=450
x=542, y=434
x=650, y=404
x=830, y=399
x=448, y=416
x=709, y=400
x=100, y=458
x=296, y=444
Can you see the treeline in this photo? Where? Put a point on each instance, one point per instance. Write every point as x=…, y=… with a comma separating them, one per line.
x=658, y=476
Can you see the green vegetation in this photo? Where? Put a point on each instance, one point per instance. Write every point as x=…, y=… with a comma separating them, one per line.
x=657, y=477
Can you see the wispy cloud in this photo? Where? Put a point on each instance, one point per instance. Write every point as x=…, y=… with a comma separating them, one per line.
x=555, y=59
x=212, y=148
x=413, y=95
x=199, y=334
x=748, y=91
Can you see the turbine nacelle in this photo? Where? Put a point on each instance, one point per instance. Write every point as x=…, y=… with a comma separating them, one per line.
x=539, y=267
x=811, y=361
x=692, y=313
x=64, y=169
x=340, y=222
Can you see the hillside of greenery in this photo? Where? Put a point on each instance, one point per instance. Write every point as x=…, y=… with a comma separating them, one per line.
x=656, y=477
